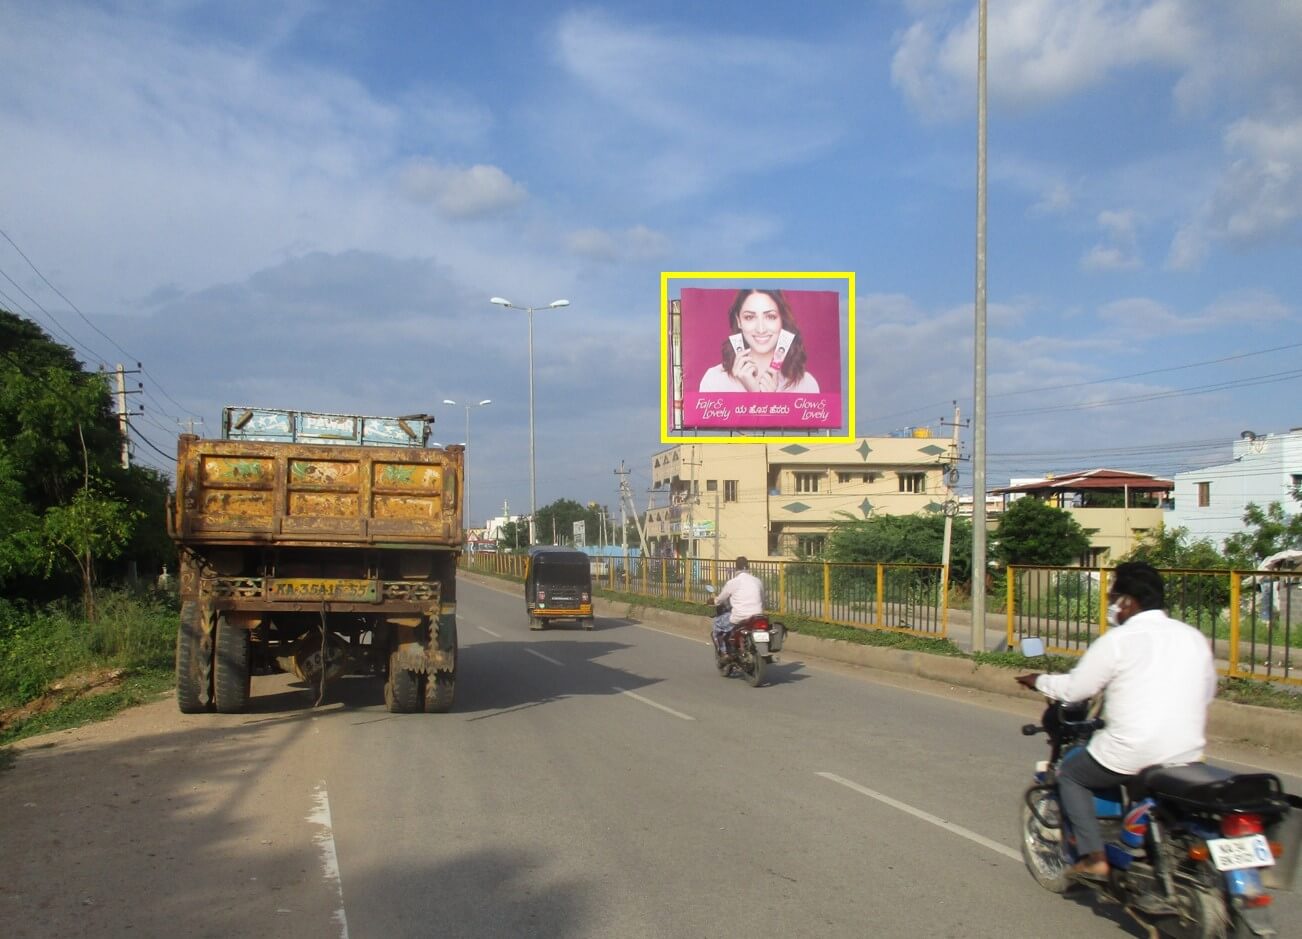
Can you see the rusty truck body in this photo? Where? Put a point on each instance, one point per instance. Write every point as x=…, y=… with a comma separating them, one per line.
x=322, y=545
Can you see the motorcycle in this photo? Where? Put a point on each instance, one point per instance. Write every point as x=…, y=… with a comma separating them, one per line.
x=1193, y=849
x=750, y=646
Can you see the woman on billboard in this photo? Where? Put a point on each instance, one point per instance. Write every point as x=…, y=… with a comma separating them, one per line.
x=763, y=351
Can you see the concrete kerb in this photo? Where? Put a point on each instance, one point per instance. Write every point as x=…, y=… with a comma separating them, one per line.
x=1266, y=727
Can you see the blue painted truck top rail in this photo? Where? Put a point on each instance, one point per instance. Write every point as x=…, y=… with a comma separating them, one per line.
x=274, y=425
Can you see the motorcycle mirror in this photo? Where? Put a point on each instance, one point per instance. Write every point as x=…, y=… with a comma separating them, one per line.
x=1031, y=647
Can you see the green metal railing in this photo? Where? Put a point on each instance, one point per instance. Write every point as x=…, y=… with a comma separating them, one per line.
x=910, y=598
x=1253, y=619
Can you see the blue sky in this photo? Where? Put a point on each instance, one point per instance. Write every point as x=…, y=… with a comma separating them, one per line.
x=308, y=205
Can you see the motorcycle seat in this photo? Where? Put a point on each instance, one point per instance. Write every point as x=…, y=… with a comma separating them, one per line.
x=1200, y=787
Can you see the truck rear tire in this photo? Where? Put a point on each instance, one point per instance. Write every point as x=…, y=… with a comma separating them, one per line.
x=401, y=688
x=193, y=673
x=231, y=674
x=441, y=687
x=440, y=692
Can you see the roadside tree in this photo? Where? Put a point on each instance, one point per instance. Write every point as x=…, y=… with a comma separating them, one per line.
x=1031, y=531
x=1268, y=532
x=917, y=539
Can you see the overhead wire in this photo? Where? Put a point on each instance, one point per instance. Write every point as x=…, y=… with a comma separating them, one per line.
x=1098, y=381
x=94, y=355
x=84, y=319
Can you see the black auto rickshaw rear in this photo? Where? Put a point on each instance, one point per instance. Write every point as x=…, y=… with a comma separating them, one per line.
x=558, y=585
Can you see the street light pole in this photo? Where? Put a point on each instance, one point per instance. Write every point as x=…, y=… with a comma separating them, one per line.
x=465, y=489
x=533, y=490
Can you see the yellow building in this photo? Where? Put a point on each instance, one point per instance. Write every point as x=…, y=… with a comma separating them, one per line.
x=1117, y=508
x=776, y=500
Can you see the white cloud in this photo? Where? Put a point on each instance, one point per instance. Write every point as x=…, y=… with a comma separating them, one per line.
x=1257, y=196
x=1145, y=317
x=1262, y=191
x=1119, y=251
x=1055, y=200
x=461, y=192
x=679, y=112
x=1038, y=50
x=636, y=243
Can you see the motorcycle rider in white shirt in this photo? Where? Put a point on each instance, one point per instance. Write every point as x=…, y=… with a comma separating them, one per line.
x=745, y=593
x=1160, y=679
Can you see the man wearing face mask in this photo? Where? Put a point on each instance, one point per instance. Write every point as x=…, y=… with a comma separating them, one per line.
x=1159, y=678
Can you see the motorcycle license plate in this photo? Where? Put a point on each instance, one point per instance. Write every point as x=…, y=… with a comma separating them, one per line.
x=760, y=635
x=1232, y=854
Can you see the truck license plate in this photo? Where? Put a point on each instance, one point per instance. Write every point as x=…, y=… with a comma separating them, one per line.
x=1232, y=854
x=323, y=588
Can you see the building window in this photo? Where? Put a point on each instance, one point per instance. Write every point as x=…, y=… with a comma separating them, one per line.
x=807, y=482
x=809, y=546
x=1204, y=494
x=730, y=490
x=913, y=482
x=711, y=485
x=857, y=477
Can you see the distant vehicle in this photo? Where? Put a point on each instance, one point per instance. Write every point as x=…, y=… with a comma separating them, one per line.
x=558, y=585
x=322, y=545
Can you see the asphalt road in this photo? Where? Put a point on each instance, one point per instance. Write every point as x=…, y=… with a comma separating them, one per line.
x=588, y=784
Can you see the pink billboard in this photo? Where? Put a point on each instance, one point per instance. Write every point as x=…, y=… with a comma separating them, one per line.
x=759, y=358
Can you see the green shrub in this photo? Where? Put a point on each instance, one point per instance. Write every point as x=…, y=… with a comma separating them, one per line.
x=135, y=631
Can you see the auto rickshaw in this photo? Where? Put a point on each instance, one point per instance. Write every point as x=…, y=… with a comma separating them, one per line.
x=558, y=585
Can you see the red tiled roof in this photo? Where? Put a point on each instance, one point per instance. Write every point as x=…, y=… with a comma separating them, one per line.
x=1093, y=479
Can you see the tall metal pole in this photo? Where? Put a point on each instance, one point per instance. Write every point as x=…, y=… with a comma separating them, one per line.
x=533, y=491
x=465, y=489
x=979, y=363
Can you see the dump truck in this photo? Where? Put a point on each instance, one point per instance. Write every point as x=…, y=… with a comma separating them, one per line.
x=318, y=544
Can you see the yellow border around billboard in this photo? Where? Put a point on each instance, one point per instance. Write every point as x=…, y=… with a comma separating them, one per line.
x=665, y=404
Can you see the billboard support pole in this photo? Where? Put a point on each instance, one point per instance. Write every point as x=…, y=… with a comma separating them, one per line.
x=979, y=363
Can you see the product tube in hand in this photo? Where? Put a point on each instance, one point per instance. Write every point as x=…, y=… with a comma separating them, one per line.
x=785, y=338
x=738, y=343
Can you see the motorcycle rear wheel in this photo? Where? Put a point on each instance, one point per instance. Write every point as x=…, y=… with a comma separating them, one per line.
x=1205, y=916
x=1042, y=853
x=754, y=667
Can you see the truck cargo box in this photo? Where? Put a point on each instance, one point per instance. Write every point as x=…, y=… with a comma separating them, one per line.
x=252, y=490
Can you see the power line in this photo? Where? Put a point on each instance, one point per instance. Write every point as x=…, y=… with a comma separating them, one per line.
x=94, y=355
x=1157, y=396
x=1097, y=381
x=84, y=319
x=147, y=442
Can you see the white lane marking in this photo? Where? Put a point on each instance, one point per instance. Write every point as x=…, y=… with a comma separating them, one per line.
x=325, y=842
x=545, y=658
x=485, y=629
x=926, y=817
x=658, y=707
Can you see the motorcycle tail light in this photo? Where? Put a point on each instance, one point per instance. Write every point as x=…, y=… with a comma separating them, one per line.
x=1277, y=849
x=1199, y=852
x=1261, y=899
x=1233, y=826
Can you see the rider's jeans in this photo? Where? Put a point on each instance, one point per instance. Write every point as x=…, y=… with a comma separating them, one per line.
x=1078, y=775
x=722, y=624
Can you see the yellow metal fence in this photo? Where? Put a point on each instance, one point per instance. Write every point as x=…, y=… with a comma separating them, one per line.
x=908, y=598
x=1253, y=619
